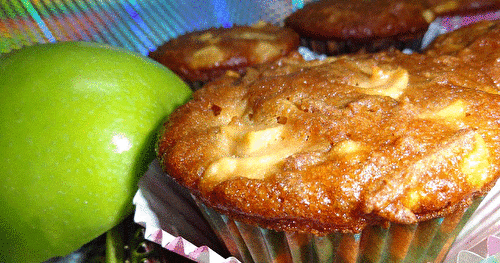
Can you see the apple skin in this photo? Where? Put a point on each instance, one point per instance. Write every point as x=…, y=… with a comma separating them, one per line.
x=78, y=122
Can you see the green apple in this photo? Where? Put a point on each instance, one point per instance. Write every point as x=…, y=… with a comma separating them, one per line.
x=78, y=123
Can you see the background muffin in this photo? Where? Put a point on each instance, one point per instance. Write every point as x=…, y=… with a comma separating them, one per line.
x=460, y=39
x=345, y=26
x=461, y=7
x=201, y=56
x=477, y=46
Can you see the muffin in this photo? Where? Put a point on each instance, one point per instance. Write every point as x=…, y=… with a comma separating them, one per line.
x=369, y=157
x=476, y=45
x=345, y=26
x=201, y=56
x=460, y=39
x=462, y=7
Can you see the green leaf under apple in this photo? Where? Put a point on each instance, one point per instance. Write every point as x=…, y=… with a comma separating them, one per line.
x=78, y=123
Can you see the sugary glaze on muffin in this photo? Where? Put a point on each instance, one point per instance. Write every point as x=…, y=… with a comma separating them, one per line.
x=207, y=54
x=339, y=144
x=461, y=7
x=348, y=25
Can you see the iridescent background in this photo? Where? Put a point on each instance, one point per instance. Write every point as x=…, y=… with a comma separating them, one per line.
x=138, y=25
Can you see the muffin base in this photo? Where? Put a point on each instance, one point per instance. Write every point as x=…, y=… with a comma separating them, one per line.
x=339, y=47
x=427, y=241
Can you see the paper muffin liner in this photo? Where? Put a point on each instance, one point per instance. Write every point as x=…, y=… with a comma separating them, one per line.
x=427, y=241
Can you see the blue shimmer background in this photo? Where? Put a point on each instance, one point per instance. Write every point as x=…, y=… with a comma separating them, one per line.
x=138, y=25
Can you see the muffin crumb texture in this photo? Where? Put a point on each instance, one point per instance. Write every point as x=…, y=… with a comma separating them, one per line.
x=342, y=143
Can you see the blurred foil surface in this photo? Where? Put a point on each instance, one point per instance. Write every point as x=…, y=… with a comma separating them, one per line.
x=138, y=25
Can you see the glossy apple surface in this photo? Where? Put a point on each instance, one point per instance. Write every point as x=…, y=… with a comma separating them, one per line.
x=78, y=123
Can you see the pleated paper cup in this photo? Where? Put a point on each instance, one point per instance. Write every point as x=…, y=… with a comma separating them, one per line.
x=427, y=241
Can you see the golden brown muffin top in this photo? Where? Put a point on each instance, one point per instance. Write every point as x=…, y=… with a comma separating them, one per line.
x=359, y=19
x=461, y=7
x=207, y=54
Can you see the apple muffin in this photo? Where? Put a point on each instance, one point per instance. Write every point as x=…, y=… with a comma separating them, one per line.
x=200, y=56
x=378, y=156
x=347, y=26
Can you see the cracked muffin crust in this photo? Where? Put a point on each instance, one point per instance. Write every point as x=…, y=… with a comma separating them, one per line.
x=201, y=56
x=339, y=144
